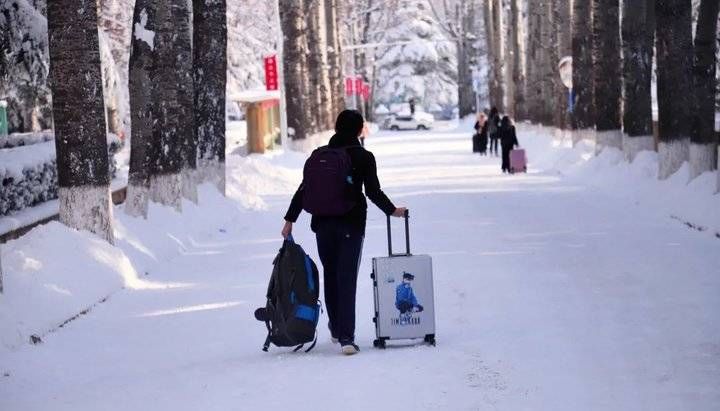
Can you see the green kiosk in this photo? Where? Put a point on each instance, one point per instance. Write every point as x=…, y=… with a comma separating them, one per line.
x=3, y=119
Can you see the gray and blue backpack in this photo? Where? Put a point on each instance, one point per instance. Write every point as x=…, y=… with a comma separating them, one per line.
x=292, y=310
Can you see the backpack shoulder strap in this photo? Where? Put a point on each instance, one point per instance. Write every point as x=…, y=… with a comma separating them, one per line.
x=266, y=345
x=300, y=347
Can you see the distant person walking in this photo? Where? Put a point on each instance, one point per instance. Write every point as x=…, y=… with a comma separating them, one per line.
x=480, y=138
x=340, y=235
x=508, y=141
x=364, y=134
x=492, y=131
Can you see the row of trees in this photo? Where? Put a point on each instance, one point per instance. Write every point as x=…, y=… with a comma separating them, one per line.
x=421, y=49
x=311, y=64
x=612, y=72
x=177, y=74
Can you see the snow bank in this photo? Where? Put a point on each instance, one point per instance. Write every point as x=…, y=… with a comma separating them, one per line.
x=274, y=173
x=52, y=274
x=25, y=139
x=690, y=201
x=311, y=142
x=55, y=273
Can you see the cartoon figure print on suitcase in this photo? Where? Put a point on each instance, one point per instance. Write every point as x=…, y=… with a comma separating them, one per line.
x=404, y=297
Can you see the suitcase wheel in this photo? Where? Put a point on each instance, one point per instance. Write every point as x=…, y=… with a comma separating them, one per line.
x=430, y=339
x=379, y=343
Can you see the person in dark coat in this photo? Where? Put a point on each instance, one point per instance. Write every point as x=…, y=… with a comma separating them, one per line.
x=492, y=131
x=340, y=238
x=480, y=136
x=508, y=140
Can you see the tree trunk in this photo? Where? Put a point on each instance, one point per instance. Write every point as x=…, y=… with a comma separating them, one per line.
x=495, y=70
x=309, y=88
x=210, y=77
x=291, y=20
x=638, y=32
x=533, y=62
x=466, y=96
x=334, y=58
x=608, y=83
x=498, y=55
x=143, y=151
x=583, y=115
x=1, y=273
x=364, y=60
x=548, y=62
x=173, y=95
x=326, y=112
x=674, y=82
x=314, y=63
x=703, y=139
x=79, y=118
x=183, y=42
x=510, y=34
x=564, y=49
x=358, y=67
x=516, y=109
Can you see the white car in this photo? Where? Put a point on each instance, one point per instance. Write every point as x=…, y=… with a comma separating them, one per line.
x=418, y=121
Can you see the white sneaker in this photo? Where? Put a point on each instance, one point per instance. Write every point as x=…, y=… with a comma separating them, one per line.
x=350, y=349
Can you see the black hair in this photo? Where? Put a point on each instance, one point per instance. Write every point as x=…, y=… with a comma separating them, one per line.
x=349, y=123
x=505, y=122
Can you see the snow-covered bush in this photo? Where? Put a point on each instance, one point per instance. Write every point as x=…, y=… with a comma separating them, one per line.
x=28, y=174
x=24, y=65
x=25, y=139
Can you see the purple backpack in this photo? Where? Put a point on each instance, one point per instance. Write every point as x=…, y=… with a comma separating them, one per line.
x=327, y=180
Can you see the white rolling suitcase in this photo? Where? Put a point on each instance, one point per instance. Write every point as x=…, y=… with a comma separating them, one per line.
x=404, y=298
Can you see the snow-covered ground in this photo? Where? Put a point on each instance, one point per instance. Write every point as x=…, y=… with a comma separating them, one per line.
x=571, y=287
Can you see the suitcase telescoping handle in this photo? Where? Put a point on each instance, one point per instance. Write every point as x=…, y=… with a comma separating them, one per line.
x=407, y=235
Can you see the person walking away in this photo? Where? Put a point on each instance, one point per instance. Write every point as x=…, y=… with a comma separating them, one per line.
x=484, y=137
x=494, y=124
x=479, y=127
x=508, y=140
x=340, y=235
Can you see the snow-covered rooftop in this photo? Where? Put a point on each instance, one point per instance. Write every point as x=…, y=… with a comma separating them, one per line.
x=254, y=96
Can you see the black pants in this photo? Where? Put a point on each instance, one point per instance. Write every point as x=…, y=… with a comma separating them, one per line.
x=340, y=248
x=494, y=145
x=506, y=158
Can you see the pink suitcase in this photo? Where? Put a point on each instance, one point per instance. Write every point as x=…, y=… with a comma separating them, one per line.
x=518, y=161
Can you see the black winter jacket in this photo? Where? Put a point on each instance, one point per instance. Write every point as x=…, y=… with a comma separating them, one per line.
x=482, y=131
x=364, y=172
x=508, y=138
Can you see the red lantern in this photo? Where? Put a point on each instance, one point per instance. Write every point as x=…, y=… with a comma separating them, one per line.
x=271, y=74
x=366, y=92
